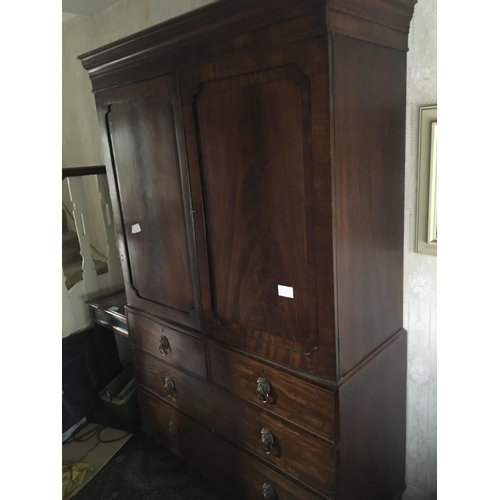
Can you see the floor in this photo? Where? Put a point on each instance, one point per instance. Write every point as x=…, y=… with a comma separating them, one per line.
x=92, y=451
x=414, y=493
x=137, y=468
x=144, y=470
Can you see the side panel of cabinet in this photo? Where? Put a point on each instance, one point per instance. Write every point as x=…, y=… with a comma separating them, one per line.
x=373, y=426
x=258, y=136
x=369, y=181
x=144, y=144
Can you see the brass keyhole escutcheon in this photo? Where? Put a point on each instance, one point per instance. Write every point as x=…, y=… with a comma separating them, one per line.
x=169, y=387
x=268, y=492
x=267, y=440
x=263, y=390
x=172, y=427
x=164, y=346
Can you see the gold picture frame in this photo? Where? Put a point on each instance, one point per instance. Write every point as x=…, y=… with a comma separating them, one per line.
x=426, y=238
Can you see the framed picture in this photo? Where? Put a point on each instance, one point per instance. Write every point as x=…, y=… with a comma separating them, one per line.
x=426, y=240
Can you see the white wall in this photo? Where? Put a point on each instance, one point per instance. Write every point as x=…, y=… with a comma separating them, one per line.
x=420, y=271
x=81, y=146
x=95, y=223
x=75, y=313
x=81, y=140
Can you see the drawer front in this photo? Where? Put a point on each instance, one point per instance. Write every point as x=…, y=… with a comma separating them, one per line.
x=289, y=397
x=286, y=446
x=177, y=348
x=232, y=468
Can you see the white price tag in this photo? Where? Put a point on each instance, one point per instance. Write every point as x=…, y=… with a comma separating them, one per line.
x=285, y=291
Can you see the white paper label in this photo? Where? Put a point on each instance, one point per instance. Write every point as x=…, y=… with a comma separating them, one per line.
x=136, y=228
x=114, y=308
x=285, y=291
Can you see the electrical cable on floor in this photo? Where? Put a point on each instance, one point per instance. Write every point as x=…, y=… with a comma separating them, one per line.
x=98, y=430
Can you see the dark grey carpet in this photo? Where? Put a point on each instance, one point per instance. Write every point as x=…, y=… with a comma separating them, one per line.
x=144, y=470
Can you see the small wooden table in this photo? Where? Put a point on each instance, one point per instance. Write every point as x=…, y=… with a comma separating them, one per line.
x=108, y=318
x=109, y=311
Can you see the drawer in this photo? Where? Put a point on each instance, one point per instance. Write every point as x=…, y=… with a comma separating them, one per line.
x=176, y=348
x=292, y=449
x=289, y=397
x=241, y=474
x=107, y=320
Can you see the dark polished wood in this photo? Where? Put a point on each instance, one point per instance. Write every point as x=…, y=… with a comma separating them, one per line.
x=241, y=423
x=232, y=468
x=112, y=305
x=229, y=25
x=288, y=396
x=150, y=186
x=179, y=349
x=259, y=144
x=370, y=88
x=373, y=426
x=255, y=193
x=288, y=223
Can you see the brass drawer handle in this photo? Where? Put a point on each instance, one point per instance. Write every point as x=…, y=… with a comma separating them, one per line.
x=164, y=346
x=263, y=390
x=173, y=429
x=268, y=492
x=267, y=440
x=169, y=387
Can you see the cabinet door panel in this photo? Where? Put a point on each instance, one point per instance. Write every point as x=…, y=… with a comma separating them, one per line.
x=257, y=194
x=258, y=137
x=147, y=151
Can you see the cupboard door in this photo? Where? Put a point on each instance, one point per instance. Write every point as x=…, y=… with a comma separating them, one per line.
x=260, y=167
x=257, y=194
x=147, y=156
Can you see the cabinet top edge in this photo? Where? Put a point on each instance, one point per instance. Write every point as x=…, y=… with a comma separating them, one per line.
x=223, y=15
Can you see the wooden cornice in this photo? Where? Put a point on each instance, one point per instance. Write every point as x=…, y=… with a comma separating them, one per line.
x=220, y=19
x=378, y=21
x=384, y=22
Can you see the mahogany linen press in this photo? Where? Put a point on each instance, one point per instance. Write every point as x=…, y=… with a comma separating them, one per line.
x=255, y=157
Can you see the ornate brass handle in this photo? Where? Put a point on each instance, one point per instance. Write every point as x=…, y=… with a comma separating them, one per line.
x=268, y=492
x=173, y=429
x=169, y=387
x=263, y=390
x=267, y=440
x=164, y=345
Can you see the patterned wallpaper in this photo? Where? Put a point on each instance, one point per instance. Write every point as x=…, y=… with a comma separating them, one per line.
x=420, y=271
x=81, y=146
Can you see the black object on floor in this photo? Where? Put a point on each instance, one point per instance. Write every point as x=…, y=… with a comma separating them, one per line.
x=145, y=470
x=80, y=378
x=103, y=416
